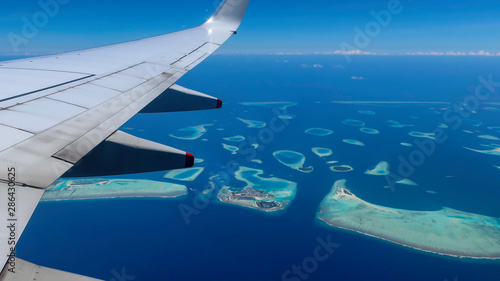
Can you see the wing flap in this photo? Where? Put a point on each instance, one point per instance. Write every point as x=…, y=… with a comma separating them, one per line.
x=119, y=82
x=146, y=70
x=208, y=48
x=188, y=60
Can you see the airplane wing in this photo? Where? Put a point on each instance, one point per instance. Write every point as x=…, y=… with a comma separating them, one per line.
x=57, y=110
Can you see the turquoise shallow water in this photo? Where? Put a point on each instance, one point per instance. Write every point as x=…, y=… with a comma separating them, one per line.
x=318, y=132
x=221, y=242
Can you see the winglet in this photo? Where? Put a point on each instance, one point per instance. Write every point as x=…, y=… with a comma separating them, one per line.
x=230, y=13
x=189, y=160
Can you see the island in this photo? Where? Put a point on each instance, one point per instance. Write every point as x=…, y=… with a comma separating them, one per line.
x=369, y=131
x=446, y=232
x=322, y=152
x=233, y=149
x=407, y=182
x=396, y=124
x=473, y=122
x=341, y=168
x=354, y=142
x=422, y=135
x=190, y=133
x=251, y=194
x=253, y=123
x=282, y=105
x=496, y=129
x=237, y=138
x=488, y=137
x=263, y=194
x=81, y=189
x=354, y=123
x=382, y=169
x=495, y=151
x=187, y=174
x=306, y=169
x=292, y=159
x=319, y=132
x=366, y=112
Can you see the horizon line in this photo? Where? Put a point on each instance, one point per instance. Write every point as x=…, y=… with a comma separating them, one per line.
x=481, y=53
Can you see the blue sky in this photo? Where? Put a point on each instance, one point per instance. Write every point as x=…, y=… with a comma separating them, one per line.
x=278, y=26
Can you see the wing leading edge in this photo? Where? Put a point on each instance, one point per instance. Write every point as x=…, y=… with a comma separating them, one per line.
x=75, y=101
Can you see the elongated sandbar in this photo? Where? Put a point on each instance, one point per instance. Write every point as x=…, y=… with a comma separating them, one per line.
x=447, y=231
x=80, y=189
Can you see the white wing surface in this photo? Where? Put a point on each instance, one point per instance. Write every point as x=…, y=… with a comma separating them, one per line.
x=54, y=110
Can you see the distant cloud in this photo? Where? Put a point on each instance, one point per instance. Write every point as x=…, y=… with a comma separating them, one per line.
x=359, y=52
x=289, y=53
x=313, y=66
x=352, y=52
x=452, y=53
x=357, y=78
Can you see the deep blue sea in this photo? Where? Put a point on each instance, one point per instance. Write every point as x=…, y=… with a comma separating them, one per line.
x=148, y=239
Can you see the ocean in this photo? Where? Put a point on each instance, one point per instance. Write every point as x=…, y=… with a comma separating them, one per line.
x=149, y=239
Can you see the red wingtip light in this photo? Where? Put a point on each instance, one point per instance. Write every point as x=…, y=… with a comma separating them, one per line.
x=219, y=103
x=189, y=160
